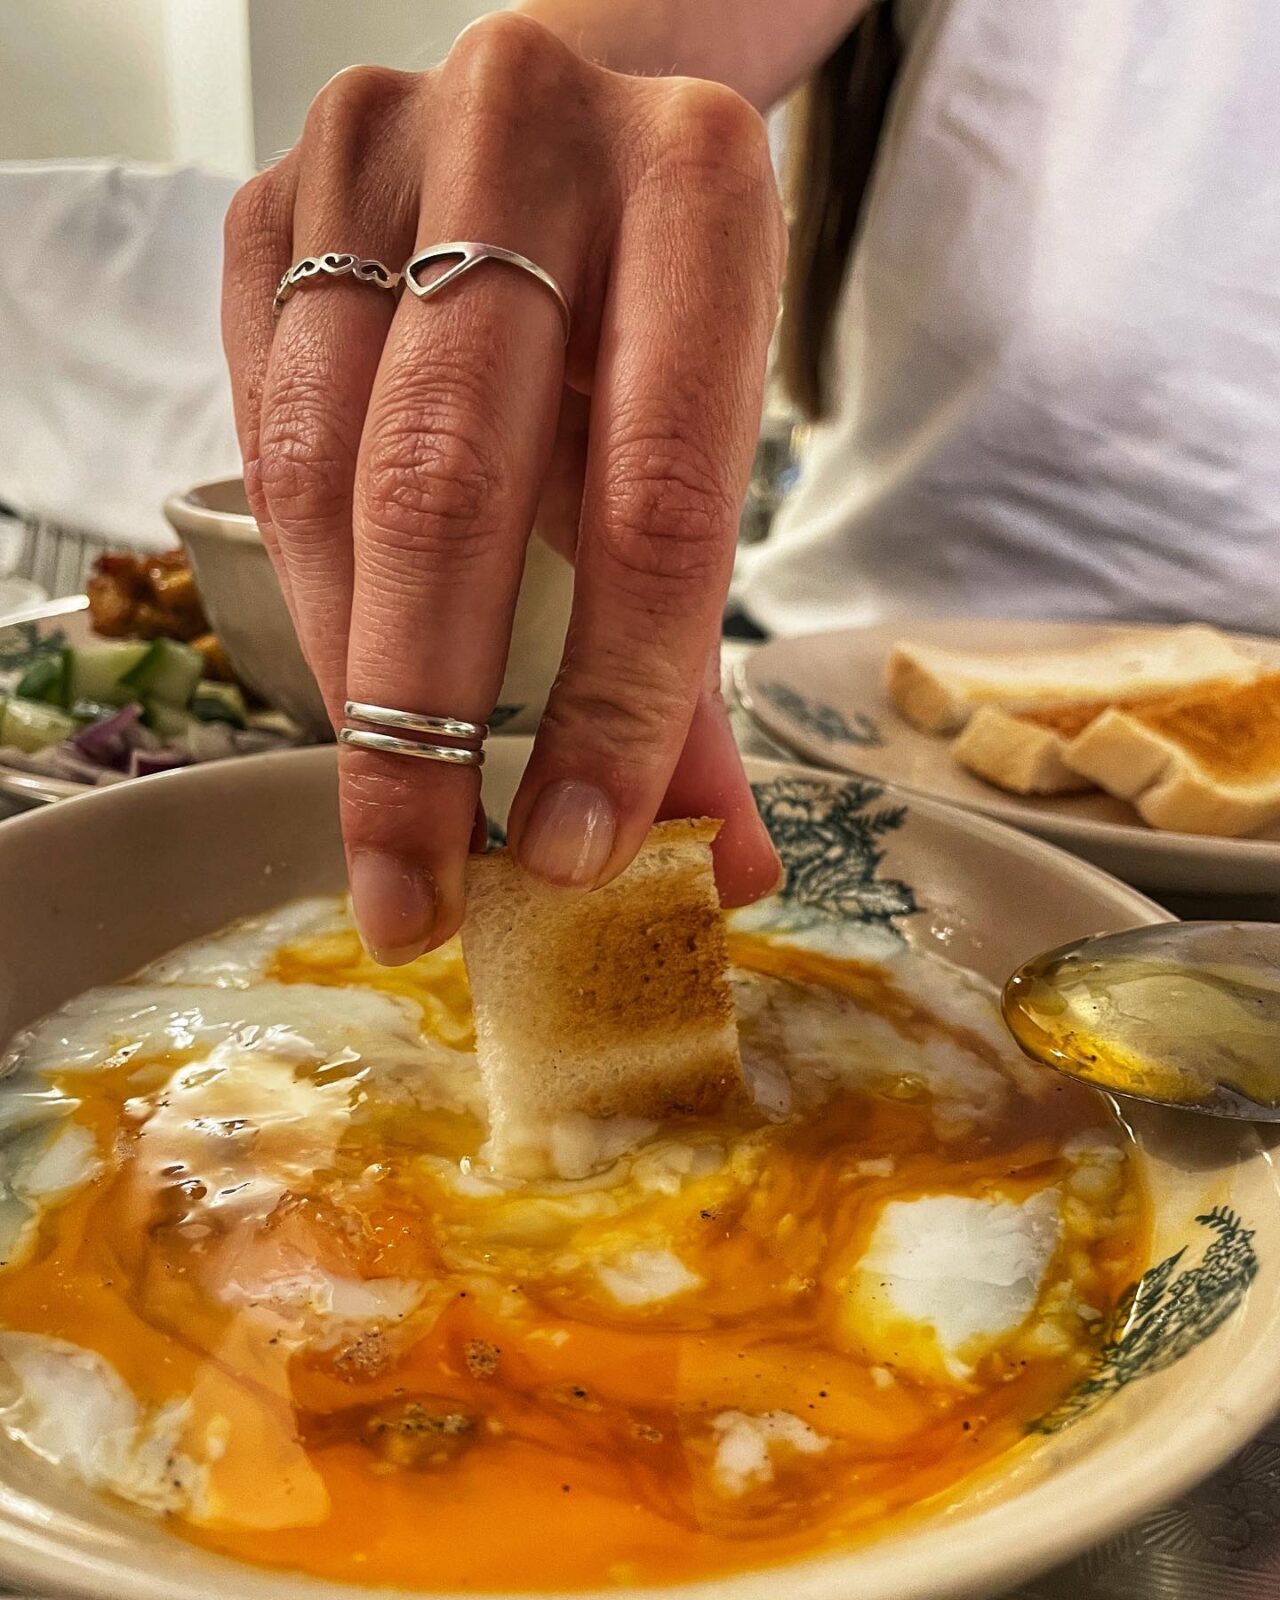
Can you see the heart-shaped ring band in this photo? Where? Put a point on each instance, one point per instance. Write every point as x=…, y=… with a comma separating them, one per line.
x=334, y=264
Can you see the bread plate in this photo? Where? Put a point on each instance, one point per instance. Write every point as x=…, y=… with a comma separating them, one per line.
x=821, y=696
x=91, y=889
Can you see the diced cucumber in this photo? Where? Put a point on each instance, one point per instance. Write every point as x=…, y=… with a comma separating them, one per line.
x=169, y=671
x=29, y=726
x=166, y=720
x=98, y=673
x=46, y=679
x=219, y=702
x=92, y=710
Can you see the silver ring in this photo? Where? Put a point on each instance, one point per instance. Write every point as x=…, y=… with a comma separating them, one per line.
x=467, y=253
x=336, y=264
x=388, y=744
x=389, y=717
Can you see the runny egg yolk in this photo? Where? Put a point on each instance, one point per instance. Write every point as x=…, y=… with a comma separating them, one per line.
x=397, y=1371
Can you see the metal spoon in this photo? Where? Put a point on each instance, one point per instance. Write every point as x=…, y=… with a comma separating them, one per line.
x=46, y=611
x=1183, y=1014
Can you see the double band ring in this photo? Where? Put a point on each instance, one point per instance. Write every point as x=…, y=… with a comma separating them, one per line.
x=466, y=254
x=387, y=744
x=413, y=722
x=334, y=264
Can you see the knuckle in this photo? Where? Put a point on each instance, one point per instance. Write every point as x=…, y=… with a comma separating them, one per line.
x=710, y=129
x=503, y=48
x=430, y=490
x=623, y=711
x=348, y=101
x=518, y=98
x=304, y=472
x=352, y=129
x=669, y=522
x=254, y=215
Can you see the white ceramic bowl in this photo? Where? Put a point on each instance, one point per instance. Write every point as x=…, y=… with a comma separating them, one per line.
x=247, y=611
x=91, y=889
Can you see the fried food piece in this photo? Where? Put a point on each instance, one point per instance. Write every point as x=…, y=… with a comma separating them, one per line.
x=145, y=597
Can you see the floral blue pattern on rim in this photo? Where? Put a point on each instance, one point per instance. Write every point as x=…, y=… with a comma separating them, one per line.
x=1164, y=1315
x=816, y=717
x=828, y=838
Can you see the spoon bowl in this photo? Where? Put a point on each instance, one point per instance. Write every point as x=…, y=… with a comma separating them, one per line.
x=1183, y=1014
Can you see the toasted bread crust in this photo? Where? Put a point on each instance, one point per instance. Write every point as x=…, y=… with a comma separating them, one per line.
x=1196, y=763
x=922, y=696
x=1231, y=733
x=938, y=689
x=1016, y=753
x=609, y=1004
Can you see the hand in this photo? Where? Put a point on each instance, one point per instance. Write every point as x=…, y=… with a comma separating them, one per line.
x=395, y=456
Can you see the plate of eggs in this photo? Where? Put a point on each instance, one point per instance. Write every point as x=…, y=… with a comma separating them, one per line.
x=902, y=1315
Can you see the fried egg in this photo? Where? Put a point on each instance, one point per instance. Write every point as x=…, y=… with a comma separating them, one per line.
x=259, y=1281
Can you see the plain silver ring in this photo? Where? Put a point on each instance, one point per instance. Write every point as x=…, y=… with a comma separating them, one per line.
x=470, y=253
x=334, y=264
x=387, y=744
x=390, y=717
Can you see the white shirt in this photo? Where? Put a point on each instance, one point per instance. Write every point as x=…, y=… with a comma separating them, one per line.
x=1057, y=365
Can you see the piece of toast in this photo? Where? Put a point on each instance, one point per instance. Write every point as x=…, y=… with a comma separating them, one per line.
x=938, y=690
x=1023, y=752
x=1201, y=762
x=613, y=1004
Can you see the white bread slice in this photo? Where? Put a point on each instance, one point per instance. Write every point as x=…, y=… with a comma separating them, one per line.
x=1204, y=762
x=938, y=690
x=1017, y=754
x=614, y=1004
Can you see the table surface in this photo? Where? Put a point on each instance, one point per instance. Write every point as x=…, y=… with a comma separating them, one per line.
x=1221, y=1541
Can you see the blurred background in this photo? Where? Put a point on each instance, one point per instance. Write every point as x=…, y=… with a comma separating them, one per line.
x=125, y=129
x=223, y=84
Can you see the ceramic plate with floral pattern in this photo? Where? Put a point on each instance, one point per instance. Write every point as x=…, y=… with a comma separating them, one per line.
x=822, y=696
x=1183, y=1360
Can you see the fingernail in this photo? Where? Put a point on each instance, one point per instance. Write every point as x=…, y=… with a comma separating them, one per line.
x=778, y=872
x=569, y=835
x=395, y=906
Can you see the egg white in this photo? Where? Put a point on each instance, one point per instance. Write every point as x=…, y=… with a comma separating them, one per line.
x=275, y=1073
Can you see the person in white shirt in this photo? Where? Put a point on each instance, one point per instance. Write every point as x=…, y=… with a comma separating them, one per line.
x=1033, y=304
x=1054, y=370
